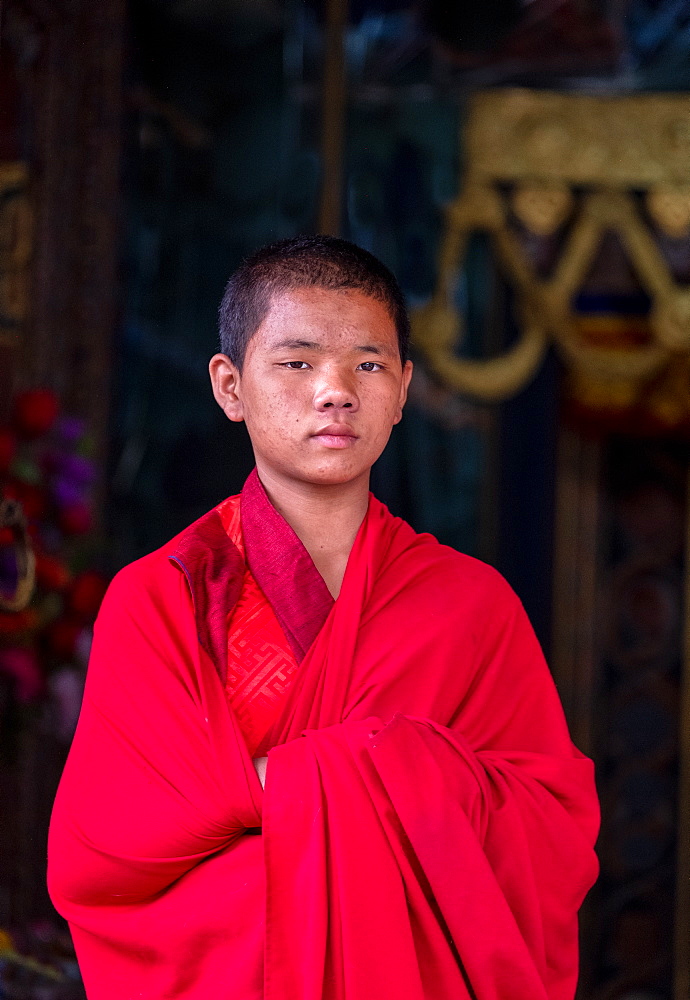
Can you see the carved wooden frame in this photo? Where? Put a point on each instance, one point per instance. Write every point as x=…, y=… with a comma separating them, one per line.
x=542, y=147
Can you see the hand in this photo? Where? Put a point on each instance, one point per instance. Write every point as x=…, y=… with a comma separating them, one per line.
x=260, y=768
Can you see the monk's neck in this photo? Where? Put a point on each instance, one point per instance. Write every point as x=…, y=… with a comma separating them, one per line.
x=326, y=520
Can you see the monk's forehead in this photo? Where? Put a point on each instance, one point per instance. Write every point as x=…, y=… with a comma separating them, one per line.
x=315, y=317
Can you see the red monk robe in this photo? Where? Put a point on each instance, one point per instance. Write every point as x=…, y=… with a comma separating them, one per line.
x=262, y=656
x=427, y=823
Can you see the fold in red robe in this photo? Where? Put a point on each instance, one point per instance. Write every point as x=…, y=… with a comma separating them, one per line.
x=427, y=823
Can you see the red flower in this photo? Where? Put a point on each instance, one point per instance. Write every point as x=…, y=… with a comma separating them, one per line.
x=75, y=519
x=86, y=594
x=22, y=665
x=35, y=412
x=8, y=447
x=16, y=622
x=32, y=498
x=51, y=573
x=62, y=637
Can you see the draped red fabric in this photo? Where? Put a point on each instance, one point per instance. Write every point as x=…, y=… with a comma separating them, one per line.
x=262, y=655
x=261, y=663
x=427, y=823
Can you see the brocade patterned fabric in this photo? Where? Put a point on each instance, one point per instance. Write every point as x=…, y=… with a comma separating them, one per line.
x=260, y=661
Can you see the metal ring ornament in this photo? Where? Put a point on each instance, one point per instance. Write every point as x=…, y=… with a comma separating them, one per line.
x=12, y=517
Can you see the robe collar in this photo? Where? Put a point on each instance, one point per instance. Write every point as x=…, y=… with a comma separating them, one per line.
x=282, y=567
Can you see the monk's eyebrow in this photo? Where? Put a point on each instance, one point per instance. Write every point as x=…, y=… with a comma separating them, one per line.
x=297, y=345
x=378, y=349
x=313, y=345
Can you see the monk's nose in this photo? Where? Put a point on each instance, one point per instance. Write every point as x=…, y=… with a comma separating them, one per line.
x=336, y=393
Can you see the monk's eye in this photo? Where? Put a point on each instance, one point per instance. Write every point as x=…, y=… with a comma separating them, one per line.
x=295, y=365
x=369, y=366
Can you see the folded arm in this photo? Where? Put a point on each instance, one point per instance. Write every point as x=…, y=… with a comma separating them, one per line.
x=465, y=824
x=488, y=856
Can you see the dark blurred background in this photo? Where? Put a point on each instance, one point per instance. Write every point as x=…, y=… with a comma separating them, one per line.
x=523, y=166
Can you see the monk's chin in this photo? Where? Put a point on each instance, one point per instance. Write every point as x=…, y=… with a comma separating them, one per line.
x=335, y=475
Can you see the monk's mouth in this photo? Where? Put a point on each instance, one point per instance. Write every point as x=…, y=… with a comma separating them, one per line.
x=336, y=437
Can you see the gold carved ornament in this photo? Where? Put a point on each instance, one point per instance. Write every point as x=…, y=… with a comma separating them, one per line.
x=551, y=159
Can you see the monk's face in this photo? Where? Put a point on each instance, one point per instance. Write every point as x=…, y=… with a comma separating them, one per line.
x=321, y=386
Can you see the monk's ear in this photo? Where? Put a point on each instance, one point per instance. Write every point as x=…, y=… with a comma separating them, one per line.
x=225, y=379
x=404, y=385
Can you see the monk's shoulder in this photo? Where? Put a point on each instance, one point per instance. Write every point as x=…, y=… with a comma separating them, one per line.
x=418, y=561
x=467, y=571
x=157, y=577
x=147, y=571
x=455, y=579
x=142, y=587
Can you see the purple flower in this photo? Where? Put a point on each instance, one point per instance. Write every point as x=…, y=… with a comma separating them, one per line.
x=66, y=492
x=78, y=469
x=71, y=429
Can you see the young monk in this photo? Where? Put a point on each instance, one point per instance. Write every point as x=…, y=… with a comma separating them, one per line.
x=320, y=756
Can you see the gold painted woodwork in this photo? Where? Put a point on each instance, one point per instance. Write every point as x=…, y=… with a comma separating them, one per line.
x=551, y=159
x=15, y=250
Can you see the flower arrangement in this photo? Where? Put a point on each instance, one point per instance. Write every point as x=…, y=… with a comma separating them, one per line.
x=47, y=476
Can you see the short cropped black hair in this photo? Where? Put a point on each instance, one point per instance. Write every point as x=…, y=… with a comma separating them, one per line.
x=303, y=262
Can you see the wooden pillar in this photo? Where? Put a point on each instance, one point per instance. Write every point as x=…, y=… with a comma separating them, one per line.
x=333, y=113
x=69, y=56
x=76, y=176
x=573, y=651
